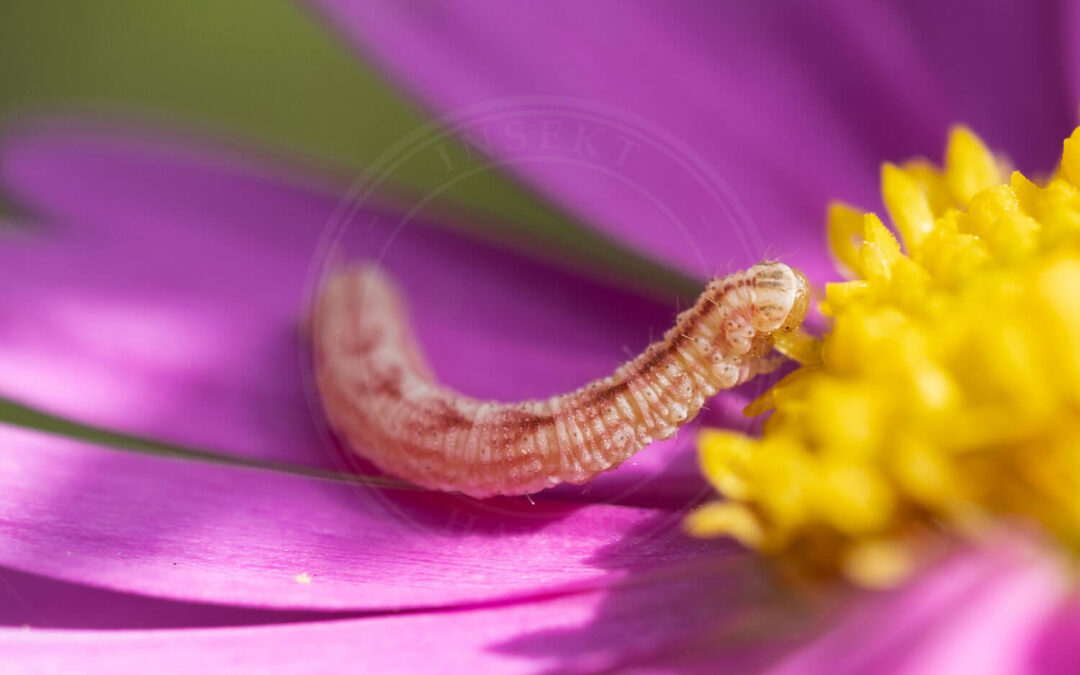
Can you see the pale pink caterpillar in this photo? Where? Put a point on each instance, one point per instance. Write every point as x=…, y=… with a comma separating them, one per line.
x=381, y=397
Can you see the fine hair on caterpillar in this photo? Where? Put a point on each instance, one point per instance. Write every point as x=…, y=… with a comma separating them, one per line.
x=380, y=395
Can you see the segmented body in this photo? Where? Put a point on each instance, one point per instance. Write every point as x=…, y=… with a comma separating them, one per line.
x=381, y=397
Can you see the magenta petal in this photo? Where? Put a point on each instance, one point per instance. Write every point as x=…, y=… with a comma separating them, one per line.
x=1070, y=32
x=981, y=612
x=208, y=533
x=28, y=600
x=977, y=614
x=787, y=104
x=980, y=54
x=1056, y=651
x=666, y=625
x=165, y=299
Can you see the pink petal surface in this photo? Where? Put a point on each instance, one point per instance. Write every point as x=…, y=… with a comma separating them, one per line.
x=32, y=601
x=657, y=627
x=208, y=533
x=164, y=298
x=1055, y=651
x=984, y=611
x=1070, y=32
x=786, y=105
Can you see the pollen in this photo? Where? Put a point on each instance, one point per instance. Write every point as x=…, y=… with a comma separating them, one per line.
x=943, y=399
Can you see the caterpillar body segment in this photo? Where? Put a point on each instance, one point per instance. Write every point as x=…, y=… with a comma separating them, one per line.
x=380, y=395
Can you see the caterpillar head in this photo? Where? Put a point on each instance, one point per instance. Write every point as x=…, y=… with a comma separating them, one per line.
x=781, y=302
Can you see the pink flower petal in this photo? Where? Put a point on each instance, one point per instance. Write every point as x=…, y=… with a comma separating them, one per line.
x=980, y=612
x=206, y=533
x=983, y=612
x=975, y=51
x=658, y=626
x=28, y=600
x=1070, y=31
x=781, y=106
x=166, y=294
x=1055, y=650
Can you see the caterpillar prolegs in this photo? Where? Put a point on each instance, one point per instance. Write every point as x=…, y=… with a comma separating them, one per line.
x=380, y=395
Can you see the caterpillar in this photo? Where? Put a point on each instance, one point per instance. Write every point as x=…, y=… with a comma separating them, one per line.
x=382, y=399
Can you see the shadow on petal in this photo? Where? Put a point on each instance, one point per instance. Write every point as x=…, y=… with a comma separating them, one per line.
x=40, y=602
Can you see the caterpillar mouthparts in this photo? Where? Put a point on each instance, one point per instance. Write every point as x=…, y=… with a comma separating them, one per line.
x=381, y=397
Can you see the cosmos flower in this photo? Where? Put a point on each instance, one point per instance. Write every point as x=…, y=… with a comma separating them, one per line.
x=155, y=301
x=942, y=396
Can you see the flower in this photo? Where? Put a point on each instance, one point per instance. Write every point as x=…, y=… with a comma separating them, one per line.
x=942, y=397
x=159, y=294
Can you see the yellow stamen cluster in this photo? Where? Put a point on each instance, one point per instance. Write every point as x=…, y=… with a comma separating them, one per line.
x=945, y=395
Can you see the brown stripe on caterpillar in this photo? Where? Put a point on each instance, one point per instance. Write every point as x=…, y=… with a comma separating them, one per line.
x=380, y=396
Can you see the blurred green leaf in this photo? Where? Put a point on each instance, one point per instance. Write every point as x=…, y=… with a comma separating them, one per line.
x=17, y=414
x=272, y=71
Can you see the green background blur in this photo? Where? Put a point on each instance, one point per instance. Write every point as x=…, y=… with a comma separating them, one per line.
x=263, y=69
x=274, y=72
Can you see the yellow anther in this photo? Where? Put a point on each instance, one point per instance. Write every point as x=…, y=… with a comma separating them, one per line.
x=908, y=206
x=969, y=165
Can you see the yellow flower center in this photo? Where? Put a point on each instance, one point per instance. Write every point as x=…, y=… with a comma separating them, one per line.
x=945, y=395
